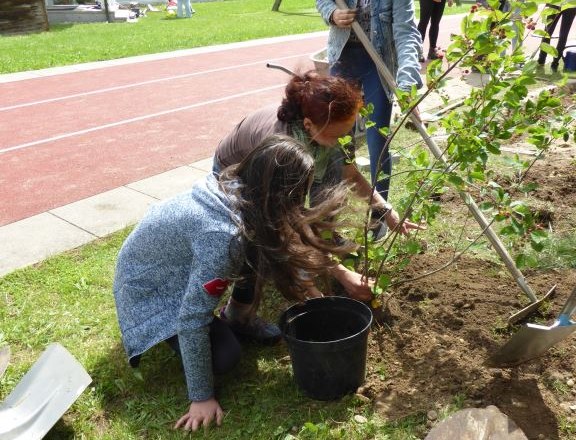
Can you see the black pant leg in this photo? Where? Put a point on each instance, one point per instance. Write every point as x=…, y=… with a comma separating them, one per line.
x=426, y=7
x=226, y=349
x=567, y=16
x=437, y=12
x=550, y=27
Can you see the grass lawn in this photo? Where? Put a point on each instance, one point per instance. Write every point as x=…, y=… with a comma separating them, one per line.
x=69, y=299
x=214, y=23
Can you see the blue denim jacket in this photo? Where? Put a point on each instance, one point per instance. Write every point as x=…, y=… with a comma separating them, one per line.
x=394, y=35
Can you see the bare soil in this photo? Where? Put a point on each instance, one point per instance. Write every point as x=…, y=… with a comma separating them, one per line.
x=438, y=331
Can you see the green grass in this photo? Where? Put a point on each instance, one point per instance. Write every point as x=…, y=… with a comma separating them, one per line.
x=214, y=23
x=69, y=299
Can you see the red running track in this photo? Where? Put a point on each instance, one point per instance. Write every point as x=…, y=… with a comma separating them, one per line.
x=70, y=136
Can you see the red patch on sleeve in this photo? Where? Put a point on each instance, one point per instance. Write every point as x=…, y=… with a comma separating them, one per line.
x=216, y=287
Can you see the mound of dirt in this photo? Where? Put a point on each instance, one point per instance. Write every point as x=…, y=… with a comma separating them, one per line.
x=438, y=332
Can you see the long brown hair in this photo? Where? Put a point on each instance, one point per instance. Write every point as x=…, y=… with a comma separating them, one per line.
x=283, y=238
x=322, y=99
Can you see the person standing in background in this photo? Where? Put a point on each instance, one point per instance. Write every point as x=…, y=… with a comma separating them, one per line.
x=567, y=16
x=392, y=29
x=431, y=11
x=185, y=7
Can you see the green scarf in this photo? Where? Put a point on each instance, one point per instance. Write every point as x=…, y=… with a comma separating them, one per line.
x=322, y=155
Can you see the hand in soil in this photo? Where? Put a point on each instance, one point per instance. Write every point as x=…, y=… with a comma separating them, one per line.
x=201, y=413
x=357, y=286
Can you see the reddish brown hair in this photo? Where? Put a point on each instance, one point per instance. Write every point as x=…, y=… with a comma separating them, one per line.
x=322, y=99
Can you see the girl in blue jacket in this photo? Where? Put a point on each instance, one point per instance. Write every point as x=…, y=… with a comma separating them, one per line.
x=390, y=26
x=179, y=260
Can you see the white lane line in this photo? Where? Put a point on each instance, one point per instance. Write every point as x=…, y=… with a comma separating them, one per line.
x=139, y=118
x=144, y=83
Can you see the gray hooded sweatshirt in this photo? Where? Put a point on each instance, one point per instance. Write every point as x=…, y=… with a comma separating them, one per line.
x=170, y=274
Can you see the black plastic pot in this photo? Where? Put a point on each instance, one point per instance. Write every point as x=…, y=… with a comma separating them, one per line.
x=327, y=339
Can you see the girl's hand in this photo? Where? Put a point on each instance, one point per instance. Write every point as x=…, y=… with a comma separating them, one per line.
x=357, y=286
x=343, y=18
x=201, y=413
x=393, y=219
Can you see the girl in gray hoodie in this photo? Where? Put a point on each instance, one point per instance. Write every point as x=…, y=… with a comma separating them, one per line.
x=177, y=263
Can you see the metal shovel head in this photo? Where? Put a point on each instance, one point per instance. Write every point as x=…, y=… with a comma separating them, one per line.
x=530, y=342
x=533, y=340
x=531, y=308
x=43, y=395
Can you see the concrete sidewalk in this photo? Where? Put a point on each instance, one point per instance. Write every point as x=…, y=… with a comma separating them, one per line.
x=36, y=238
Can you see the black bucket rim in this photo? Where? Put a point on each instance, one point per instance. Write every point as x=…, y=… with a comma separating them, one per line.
x=284, y=322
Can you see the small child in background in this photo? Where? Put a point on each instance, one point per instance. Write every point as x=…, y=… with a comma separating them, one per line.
x=185, y=7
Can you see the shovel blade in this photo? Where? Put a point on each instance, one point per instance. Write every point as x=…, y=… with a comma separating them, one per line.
x=43, y=395
x=530, y=342
x=531, y=308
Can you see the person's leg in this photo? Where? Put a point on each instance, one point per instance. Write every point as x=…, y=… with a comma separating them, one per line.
x=565, y=25
x=356, y=64
x=188, y=8
x=436, y=16
x=226, y=349
x=180, y=8
x=425, y=14
x=553, y=21
x=240, y=313
x=380, y=161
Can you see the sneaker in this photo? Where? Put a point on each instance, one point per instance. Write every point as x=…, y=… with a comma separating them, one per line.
x=379, y=230
x=257, y=330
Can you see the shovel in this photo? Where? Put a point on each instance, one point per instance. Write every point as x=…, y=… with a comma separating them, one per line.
x=4, y=359
x=533, y=340
x=389, y=80
x=43, y=395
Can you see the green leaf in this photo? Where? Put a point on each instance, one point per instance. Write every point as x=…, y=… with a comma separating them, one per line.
x=549, y=49
x=520, y=260
x=455, y=180
x=508, y=230
x=529, y=187
x=384, y=131
x=568, y=5
x=413, y=247
x=528, y=8
x=384, y=281
x=477, y=175
x=541, y=33
x=539, y=235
